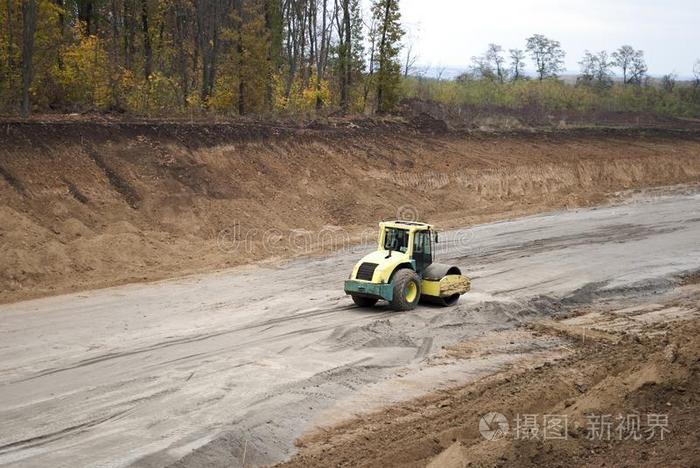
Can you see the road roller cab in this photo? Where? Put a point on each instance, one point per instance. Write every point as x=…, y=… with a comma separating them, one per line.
x=402, y=272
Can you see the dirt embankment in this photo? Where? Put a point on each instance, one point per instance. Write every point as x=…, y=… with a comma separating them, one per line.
x=94, y=204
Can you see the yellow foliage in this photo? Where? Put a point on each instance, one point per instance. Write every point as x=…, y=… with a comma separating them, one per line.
x=155, y=95
x=301, y=99
x=9, y=55
x=73, y=69
x=248, y=65
x=47, y=50
x=225, y=96
x=84, y=73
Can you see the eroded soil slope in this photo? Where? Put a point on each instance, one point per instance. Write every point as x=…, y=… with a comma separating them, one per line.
x=93, y=204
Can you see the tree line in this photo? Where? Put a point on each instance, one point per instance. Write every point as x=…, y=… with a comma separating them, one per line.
x=547, y=56
x=616, y=82
x=230, y=56
x=239, y=57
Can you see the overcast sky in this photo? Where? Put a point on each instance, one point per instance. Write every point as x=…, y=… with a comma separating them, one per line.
x=449, y=32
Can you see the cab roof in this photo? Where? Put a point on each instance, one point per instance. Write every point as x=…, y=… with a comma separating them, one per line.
x=409, y=225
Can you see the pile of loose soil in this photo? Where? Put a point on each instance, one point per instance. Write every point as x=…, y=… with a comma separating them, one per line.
x=92, y=204
x=628, y=399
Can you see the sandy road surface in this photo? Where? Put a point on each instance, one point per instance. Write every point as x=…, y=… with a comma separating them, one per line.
x=246, y=360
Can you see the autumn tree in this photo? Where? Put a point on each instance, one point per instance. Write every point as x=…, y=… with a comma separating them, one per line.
x=246, y=66
x=389, y=33
x=254, y=62
x=632, y=64
x=588, y=66
x=517, y=64
x=668, y=82
x=146, y=35
x=275, y=30
x=494, y=56
x=8, y=50
x=320, y=38
x=547, y=55
x=370, y=79
x=29, y=15
x=637, y=69
x=596, y=69
x=490, y=66
x=482, y=69
x=208, y=19
x=181, y=29
x=410, y=55
x=350, y=51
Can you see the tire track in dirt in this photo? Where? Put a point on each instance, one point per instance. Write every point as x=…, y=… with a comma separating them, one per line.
x=191, y=339
x=43, y=439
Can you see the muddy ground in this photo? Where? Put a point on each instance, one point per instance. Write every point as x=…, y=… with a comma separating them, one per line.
x=624, y=393
x=236, y=367
x=89, y=204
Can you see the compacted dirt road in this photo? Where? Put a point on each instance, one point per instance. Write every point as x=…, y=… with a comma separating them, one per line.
x=218, y=368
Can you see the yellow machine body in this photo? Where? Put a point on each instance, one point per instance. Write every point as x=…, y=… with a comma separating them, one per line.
x=406, y=245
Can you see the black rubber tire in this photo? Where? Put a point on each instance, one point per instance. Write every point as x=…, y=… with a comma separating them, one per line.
x=451, y=300
x=362, y=301
x=401, y=280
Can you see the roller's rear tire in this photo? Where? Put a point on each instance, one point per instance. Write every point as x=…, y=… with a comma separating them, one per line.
x=406, y=290
x=362, y=301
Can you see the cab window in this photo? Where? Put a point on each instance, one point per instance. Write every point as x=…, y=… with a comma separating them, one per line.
x=422, y=245
x=396, y=240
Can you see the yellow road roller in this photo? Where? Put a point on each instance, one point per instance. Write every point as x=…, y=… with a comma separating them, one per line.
x=402, y=272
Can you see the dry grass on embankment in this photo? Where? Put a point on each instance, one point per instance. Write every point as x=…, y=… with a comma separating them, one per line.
x=94, y=204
